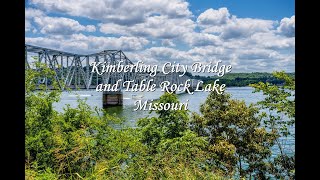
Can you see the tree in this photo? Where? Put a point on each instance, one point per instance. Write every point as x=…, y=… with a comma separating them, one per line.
x=168, y=125
x=175, y=152
x=279, y=116
x=76, y=143
x=235, y=136
x=39, y=117
x=228, y=136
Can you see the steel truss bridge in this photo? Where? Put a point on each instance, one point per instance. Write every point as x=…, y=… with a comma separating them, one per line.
x=73, y=71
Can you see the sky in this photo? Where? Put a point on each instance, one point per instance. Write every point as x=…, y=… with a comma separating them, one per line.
x=251, y=35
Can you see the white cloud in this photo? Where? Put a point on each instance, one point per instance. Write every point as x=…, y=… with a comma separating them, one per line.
x=167, y=42
x=246, y=43
x=229, y=26
x=256, y=54
x=53, y=25
x=287, y=26
x=272, y=41
x=214, y=17
x=249, y=58
x=245, y=27
x=111, y=28
x=138, y=26
x=155, y=27
x=60, y=25
x=239, y=27
x=27, y=25
x=117, y=11
x=31, y=13
x=79, y=43
x=90, y=28
x=200, y=39
x=207, y=51
x=158, y=55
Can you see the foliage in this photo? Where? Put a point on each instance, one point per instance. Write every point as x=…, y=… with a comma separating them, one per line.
x=170, y=124
x=80, y=144
x=235, y=135
x=279, y=116
x=227, y=140
x=75, y=143
x=173, y=147
x=242, y=79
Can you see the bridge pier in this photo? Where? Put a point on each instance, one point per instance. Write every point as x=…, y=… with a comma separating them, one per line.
x=110, y=99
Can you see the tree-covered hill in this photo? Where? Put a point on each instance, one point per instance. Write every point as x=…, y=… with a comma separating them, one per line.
x=242, y=79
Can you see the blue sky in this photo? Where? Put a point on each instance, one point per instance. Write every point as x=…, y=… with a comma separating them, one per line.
x=263, y=9
x=250, y=35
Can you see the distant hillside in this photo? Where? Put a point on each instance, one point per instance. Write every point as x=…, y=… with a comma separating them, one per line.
x=241, y=79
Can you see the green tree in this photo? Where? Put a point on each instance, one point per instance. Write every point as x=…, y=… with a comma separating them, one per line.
x=168, y=125
x=235, y=136
x=279, y=115
x=39, y=117
x=227, y=137
x=175, y=152
x=76, y=143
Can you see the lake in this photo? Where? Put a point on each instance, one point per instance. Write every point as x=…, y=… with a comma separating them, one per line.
x=127, y=112
x=94, y=98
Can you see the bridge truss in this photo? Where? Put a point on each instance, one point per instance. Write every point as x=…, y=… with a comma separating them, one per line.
x=73, y=71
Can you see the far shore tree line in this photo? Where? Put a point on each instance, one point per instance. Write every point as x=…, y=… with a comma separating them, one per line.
x=242, y=79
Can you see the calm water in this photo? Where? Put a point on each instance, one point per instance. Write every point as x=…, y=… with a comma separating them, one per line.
x=94, y=98
x=127, y=110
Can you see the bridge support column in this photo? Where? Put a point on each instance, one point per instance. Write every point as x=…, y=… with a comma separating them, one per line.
x=110, y=99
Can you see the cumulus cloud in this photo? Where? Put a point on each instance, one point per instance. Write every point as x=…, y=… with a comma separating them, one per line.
x=161, y=30
x=287, y=26
x=248, y=44
x=79, y=43
x=214, y=17
x=256, y=54
x=27, y=25
x=90, y=28
x=53, y=25
x=167, y=42
x=238, y=27
x=30, y=14
x=245, y=27
x=242, y=60
x=229, y=26
x=158, y=55
x=201, y=39
x=61, y=25
x=155, y=27
x=207, y=51
x=271, y=40
x=117, y=11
